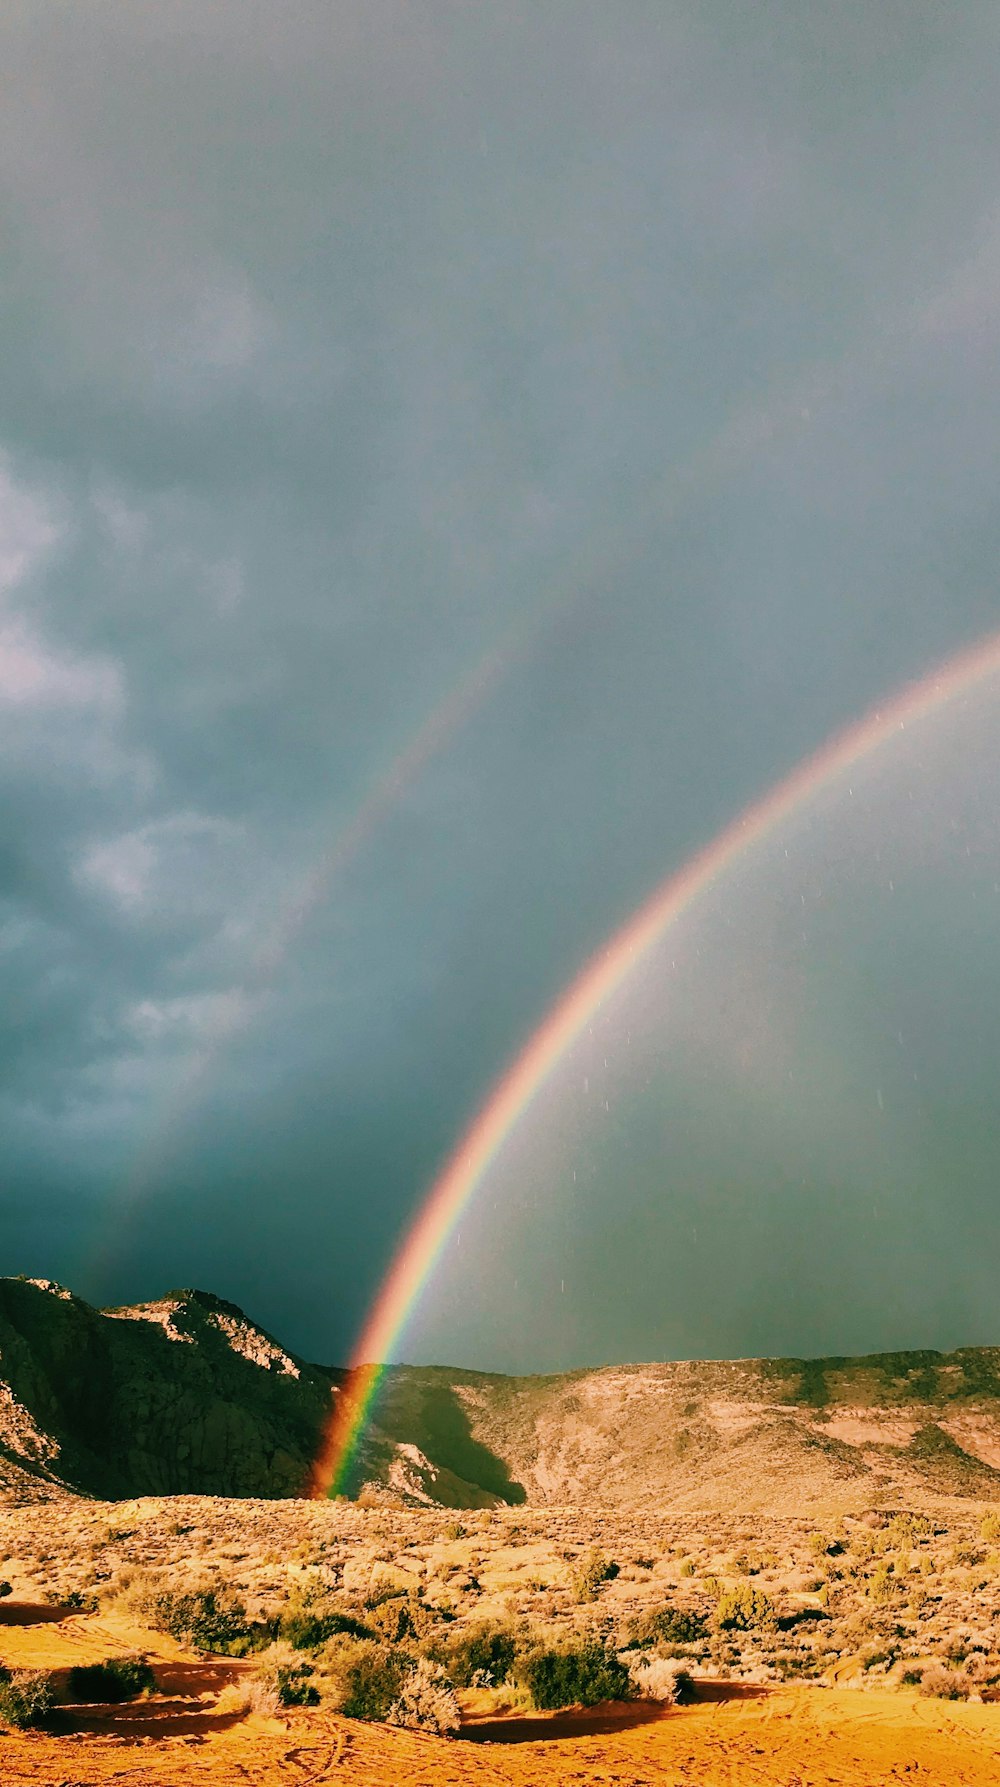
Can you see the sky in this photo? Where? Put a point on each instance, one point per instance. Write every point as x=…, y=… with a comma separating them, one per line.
x=453, y=458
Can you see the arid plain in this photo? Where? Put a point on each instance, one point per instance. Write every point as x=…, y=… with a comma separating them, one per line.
x=828, y=1693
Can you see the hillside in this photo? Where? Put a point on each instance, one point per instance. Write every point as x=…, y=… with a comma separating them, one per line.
x=781, y=1435
x=183, y=1395
x=186, y=1395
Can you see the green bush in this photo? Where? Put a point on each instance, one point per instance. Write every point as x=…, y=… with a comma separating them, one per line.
x=486, y=1652
x=294, y=1686
x=593, y=1569
x=284, y=1679
x=26, y=1697
x=117, y=1678
x=398, y=1618
x=367, y=1678
x=306, y=1629
x=883, y=1585
x=667, y=1625
x=207, y=1621
x=580, y=1677
x=744, y=1609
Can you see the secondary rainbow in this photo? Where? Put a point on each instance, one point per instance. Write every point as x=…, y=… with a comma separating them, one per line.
x=420, y=1249
x=599, y=561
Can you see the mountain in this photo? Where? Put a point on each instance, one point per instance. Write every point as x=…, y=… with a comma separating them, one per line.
x=186, y=1395
x=183, y=1395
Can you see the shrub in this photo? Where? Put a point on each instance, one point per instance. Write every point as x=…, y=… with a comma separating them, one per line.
x=426, y=1702
x=398, y=1618
x=580, y=1677
x=593, y=1569
x=257, y=1696
x=293, y=1687
x=81, y=1601
x=282, y=1675
x=485, y=1652
x=667, y=1625
x=366, y=1678
x=26, y=1697
x=306, y=1628
x=883, y=1585
x=655, y=1678
x=205, y=1619
x=117, y=1678
x=944, y=1684
x=744, y=1609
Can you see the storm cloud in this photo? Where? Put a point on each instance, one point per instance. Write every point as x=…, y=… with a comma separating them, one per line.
x=644, y=357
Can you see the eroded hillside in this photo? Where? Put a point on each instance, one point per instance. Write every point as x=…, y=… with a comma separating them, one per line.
x=758, y=1434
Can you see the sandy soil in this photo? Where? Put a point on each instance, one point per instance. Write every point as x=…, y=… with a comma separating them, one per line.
x=737, y=1736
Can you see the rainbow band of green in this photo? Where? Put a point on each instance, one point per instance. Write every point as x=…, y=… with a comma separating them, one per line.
x=421, y=1248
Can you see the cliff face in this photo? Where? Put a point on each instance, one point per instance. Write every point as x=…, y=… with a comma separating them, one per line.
x=184, y=1395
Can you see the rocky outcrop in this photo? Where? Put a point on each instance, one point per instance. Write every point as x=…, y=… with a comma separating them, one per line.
x=181, y=1396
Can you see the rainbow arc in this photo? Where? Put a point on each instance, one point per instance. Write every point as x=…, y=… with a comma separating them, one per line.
x=422, y=1245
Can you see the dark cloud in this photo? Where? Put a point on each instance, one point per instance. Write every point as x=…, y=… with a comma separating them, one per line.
x=654, y=351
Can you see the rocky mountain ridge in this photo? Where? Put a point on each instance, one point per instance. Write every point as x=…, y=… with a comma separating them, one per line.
x=186, y=1395
x=181, y=1395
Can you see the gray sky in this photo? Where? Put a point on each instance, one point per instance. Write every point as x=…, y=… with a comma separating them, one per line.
x=643, y=355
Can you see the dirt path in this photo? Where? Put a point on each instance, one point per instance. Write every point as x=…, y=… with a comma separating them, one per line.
x=791, y=1738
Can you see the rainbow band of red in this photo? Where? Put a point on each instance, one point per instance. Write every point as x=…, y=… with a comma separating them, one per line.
x=418, y=1254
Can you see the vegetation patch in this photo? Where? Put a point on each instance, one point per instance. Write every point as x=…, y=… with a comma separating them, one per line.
x=481, y=1658
x=593, y=1569
x=666, y=1626
x=26, y=1697
x=580, y=1676
x=117, y=1678
x=206, y=1620
x=744, y=1609
x=366, y=1679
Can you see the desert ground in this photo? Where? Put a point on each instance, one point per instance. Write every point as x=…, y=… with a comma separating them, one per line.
x=855, y=1651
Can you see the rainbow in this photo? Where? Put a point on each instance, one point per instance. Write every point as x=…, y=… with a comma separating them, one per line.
x=421, y=1247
